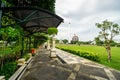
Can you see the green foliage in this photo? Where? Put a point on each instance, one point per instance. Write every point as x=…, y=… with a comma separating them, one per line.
x=6, y=20
x=118, y=45
x=57, y=41
x=65, y=41
x=52, y=31
x=26, y=56
x=84, y=42
x=6, y=3
x=108, y=30
x=9, y=57
x=9, y=34
x=8, y=69
x=16, y=49
x=40, y=39
x=5, y=52
x=8, y=64
x=90, y=55
x=113, y=43
x=74, y=42
x=98, y=41
x=45, y=4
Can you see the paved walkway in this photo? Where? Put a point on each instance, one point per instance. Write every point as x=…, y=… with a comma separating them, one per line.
x=74, y=68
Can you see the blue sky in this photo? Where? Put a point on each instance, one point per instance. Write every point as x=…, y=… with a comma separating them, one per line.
x=83, y=14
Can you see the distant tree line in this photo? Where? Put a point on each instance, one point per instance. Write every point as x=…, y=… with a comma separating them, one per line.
x=97, y=41
x=100, y=42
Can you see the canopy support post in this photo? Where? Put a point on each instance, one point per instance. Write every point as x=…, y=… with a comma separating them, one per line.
x=1, y=5
x=29, y=42
x=22, y=45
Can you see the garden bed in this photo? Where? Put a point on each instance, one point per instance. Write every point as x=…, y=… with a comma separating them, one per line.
x=8, y=64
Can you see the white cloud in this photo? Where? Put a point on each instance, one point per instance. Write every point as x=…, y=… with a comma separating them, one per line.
x=112, y=16
x=83, y=14
x=66, y=6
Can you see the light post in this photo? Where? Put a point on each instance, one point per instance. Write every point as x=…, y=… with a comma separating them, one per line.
x=69, y=32
x=1, y=5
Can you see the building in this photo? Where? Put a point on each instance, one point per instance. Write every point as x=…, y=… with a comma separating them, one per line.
x=75, y=38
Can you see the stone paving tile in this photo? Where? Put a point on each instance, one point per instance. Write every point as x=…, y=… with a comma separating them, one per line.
x=93, y=71
x=47, y=69
x=47, y=73
x=69, y=59
x=43, y=67
x=67, y=66
x=92, y=67
x=116, y=74
x=82, y=76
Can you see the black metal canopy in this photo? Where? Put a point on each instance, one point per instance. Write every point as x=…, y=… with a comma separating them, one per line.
x=33, y=19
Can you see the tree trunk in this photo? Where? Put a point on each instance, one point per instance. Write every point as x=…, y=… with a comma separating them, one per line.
x=108, y=48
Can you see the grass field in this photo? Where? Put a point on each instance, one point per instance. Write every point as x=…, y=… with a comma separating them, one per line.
x=101, y=52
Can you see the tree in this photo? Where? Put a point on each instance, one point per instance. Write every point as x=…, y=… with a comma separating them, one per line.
x=65, y=41
x=57, y=41
x=113, y=43
x=9, y=33
x=74, y=42
x=40, y=38
x=45, y=4
x=52, y=31
x=98, y=41
x=108, y=30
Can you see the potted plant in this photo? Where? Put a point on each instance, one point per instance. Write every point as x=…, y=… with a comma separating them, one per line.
x=33, y=51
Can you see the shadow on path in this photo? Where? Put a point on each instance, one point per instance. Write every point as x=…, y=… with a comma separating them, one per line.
x=44, y=68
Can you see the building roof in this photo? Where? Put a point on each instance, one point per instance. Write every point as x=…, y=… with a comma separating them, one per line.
x=33, y=19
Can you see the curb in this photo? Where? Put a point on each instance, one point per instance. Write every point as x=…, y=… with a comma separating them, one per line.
x=63, y=61
x=17, y=75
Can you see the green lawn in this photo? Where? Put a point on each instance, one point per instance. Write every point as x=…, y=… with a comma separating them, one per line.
x=101, y=52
